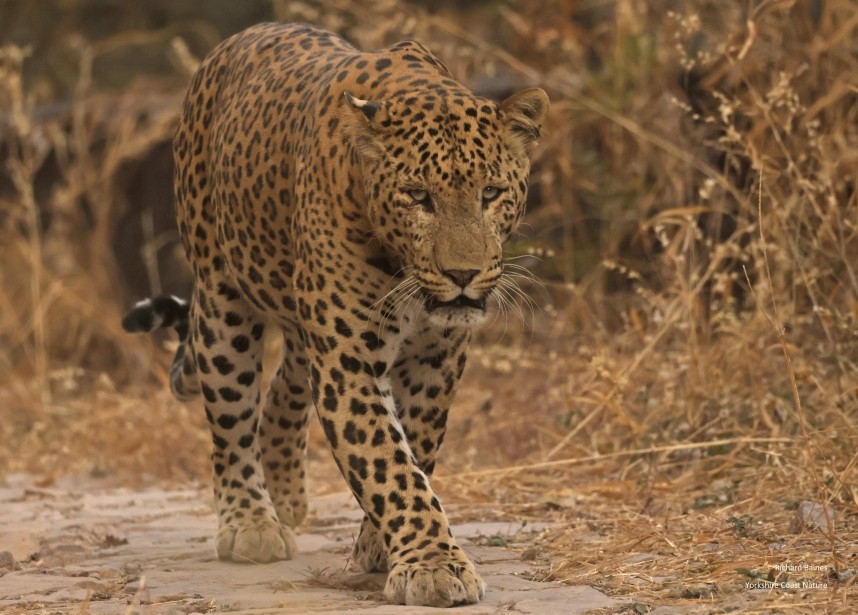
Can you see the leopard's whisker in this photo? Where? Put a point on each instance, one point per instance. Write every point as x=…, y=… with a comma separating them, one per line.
x=404, y=298
x=522, y=272
x=404, y=286
x=516, y=293
x=515, y=258
x=388, y=308
x=410, y=279
x=502, y=303
x=510, y=283
x=510, y=305
x=415, y=294
x=512, y=278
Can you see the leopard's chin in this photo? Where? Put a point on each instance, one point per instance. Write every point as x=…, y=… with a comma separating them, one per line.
x=459, y=312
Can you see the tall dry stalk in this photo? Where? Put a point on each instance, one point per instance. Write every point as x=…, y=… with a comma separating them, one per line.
x=22, y=165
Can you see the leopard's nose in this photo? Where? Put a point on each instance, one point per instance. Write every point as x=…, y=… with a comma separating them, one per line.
x=462, y=277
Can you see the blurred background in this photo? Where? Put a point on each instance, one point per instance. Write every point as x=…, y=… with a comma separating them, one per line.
x=690, y=343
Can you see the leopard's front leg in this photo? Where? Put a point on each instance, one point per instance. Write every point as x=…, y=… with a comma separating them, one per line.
x=424, y=380
x=353, y=395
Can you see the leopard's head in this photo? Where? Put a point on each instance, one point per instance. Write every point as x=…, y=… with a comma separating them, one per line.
x=445, y=181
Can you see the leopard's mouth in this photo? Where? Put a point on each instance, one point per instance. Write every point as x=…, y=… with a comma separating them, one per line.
x=432, y=303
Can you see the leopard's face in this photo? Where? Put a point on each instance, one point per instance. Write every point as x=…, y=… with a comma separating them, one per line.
x=445, y=181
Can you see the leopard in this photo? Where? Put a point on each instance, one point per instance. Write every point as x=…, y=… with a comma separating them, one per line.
x=356, y=204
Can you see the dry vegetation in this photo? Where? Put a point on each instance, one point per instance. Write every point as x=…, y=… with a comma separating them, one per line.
x=689, y=376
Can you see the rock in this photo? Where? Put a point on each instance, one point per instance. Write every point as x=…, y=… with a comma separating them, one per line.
x=8, y=561
x=530, y=555
x=63, y=553
x=811, y=516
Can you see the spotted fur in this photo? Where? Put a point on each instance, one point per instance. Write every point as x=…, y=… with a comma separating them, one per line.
x=357, y=202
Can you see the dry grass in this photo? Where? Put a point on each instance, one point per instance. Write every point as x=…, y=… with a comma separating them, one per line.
x=690, y=376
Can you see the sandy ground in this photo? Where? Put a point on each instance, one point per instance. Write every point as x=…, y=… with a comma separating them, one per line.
x=80, y=548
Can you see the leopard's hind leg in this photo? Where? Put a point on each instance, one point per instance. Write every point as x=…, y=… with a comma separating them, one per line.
x=283, y=432
x=226, y=335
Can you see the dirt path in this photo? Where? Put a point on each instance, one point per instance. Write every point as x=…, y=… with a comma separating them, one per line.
x=74, y=549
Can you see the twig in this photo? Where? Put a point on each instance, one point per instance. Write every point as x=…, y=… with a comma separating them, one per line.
x=618, y=454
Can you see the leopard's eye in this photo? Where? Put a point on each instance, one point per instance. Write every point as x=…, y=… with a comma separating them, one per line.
x=490, y=193
x=419, y=195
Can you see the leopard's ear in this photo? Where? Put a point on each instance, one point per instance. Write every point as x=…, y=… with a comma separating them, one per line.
x=523, y=114
x=370, y=120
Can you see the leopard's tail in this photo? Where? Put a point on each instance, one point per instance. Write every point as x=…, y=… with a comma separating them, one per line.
x=168, y=311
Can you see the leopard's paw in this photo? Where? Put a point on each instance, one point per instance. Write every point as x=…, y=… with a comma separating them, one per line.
x=255, y=541
x=441, y=581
